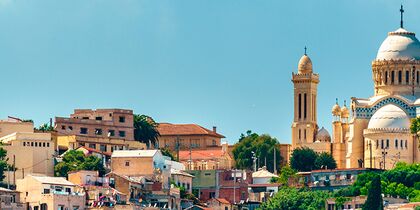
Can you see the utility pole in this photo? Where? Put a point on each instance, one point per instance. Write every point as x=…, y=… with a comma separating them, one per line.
x=254, y=160
x=234, y=186
x=274, y=166
x=177, y=147
x=14, y=170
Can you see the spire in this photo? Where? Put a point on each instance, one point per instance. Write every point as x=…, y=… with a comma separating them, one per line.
x=344, y=102
x=336, y=101
x=305, y=50
x=402, y=12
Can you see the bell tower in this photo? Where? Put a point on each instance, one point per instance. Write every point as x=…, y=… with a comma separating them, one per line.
x=305, y=83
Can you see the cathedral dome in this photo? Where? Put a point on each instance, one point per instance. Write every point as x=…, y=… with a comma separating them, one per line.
x=390, y=116
x=399, y=45
x=305, y=65
x=323, y=135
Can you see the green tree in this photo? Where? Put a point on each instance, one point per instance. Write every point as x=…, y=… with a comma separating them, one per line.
x=325, y=160
x=374, y=197
x=263, y=146
x=286, y=172
x=45, y=127
x=415, y=126
x=339, y=201
x=75, y=160
x=292, y=198
x=145, y=130
x=3, y=163
x=165, y=151
x=303, y=159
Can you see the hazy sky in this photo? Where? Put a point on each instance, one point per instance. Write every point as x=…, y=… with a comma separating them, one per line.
x=214, y=62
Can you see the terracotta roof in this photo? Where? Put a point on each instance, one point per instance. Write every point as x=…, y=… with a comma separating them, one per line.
x=222, y=200
x=168, y=129
x=200, y=154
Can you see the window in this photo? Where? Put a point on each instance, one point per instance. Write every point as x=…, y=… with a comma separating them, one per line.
x=213, y=142
x=36, y=144
x=110, y=114
x=24, y=143
x=93, y=146
x=188, y=186
x=75, y=207
x=304, y=105
x=43, y=144
x=102, y=148
x=121, y=133
x=399, y=77
x=212, y=194
x=71, y=128
x=68, y=190
x=63, y=127
x=98, y=118
x=32, y=144
x=401, y=144
x=407, y=77
x=304, y=134
x=127, y=163
x=417, y=77
x=111, y=132
x=387, y=143
x=85, y=118
x=392, y=77
x=98, y=131
x=382, y=144
x=60, y=207
x=300, y=106
x=121, y=119
x=299, y=134
x=48, y=144
x=46, y=191
x=396, y=143
x=406, y=146
x=377, y=143
x=386, y=77
x=83, y=130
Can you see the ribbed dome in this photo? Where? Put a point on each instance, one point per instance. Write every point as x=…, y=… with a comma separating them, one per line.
x=323, y=135
x=400, y=44
x=389, y=116
x=305, y=65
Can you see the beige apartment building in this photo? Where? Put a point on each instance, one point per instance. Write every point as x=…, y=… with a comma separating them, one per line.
x=44, y=192
x=103, y=129
x=30, y=153
x=188, y=135
x=12, y=125
x=101, y=123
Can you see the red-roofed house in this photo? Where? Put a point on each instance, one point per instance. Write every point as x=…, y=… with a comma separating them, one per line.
x=187, y=135
x=209, y=159
x=219, y=204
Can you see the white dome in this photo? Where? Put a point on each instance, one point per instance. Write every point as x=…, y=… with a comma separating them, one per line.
x=399, y=44
x=389, y=116
x=305, y=64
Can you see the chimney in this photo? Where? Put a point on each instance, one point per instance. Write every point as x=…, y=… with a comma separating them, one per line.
x=215, y=129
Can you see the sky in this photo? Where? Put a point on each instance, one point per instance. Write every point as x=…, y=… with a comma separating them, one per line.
x=210, y=62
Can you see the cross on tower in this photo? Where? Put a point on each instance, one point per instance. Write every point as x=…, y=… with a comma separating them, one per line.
x=305, y=49
x=402, y=12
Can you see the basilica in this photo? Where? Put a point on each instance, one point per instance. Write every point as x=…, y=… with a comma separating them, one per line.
x=370, y=132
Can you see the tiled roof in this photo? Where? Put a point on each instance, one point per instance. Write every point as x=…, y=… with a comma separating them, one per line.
x=222, y=200
x=263, y=173
x=179, y=172
x=91, y=150
x=200, y=154
x=168, y=129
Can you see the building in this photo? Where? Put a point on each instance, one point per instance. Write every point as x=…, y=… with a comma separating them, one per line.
x=373, y=132
x=182, y=179
x=207, y=159
x=353, y=203
x=12, y=125
x=115, y=123
x=187, y=136
x=30, y=153
x=219, y=204
x=10, y=200
x=44, y=192
x=261, y=188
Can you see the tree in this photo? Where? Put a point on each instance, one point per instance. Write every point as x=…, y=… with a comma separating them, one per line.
x=264, y=147
x=325, y=161
x=145, y=130
x=415, y=126
x=4, y=166
x=165, y=151
x=75, y=160
x=303, y=159
x=45, y=127
x=292, y=198
x=374, y=198
x=286, y=172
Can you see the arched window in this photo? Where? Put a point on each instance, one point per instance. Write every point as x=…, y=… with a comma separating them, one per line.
x=396, y=143
x=401, y=144
x=382, y=144
x=406, y=145
x=377, y=143
x=407, y=77
x=399, y=77
x=299, y=134
x=386, y=77
x=300, y=106
x=387, y=144
x=417, y=77
x=304, y=134
x=392, y=77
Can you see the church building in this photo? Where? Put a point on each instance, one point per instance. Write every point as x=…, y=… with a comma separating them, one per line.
x=375, y=132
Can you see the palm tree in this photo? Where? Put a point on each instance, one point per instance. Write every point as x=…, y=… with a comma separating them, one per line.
x=145, y=130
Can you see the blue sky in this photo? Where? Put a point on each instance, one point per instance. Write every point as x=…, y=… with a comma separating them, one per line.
x=214, y=62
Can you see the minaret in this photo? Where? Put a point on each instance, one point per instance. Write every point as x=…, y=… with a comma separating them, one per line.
x=305, y=84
